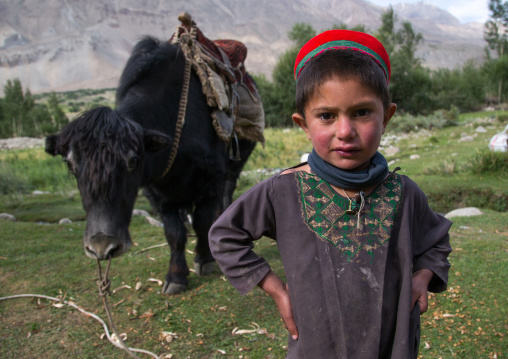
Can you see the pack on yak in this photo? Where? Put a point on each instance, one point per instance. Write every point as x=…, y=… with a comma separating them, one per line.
x=187, y=117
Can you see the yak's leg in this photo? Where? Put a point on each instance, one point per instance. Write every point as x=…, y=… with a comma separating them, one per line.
x=235, y=168
x=205, y=213
x=176, y=235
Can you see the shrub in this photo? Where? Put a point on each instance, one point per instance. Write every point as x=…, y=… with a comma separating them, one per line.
x=485, y=161
x=11, y=183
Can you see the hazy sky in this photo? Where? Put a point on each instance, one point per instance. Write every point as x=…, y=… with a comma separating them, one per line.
x=464, y=10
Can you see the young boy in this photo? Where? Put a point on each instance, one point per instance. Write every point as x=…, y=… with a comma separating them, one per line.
x=359, y=244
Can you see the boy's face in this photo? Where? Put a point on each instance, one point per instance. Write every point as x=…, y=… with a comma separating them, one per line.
x=344, y=120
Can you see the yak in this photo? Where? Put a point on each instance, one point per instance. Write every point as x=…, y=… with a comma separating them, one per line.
x=115, y=152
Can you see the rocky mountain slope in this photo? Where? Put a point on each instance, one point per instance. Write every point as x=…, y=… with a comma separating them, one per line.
x=59, y=45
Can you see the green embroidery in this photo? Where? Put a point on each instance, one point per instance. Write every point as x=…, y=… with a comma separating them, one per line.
x=324, y=212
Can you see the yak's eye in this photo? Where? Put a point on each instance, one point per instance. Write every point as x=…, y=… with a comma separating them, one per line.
x=133, y=162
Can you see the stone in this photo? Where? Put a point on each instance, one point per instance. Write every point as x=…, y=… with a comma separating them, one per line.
x=466, y=139
x=154, y=222
x=464, y=212
x=481, y=129
x=140, y=212
x=7, y=217
x=64, y=221
x=414, y=157
x=390, y=151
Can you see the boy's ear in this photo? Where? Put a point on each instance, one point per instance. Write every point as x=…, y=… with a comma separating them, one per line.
x=389, y=112
x=300, y=121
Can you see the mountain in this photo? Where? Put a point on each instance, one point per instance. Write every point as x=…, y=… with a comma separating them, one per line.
x=60, y=45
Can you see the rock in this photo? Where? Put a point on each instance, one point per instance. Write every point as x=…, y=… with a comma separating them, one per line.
x=64, y=221
x=390, y=151
x=7, y=217
x=36, y=192
x=154, y=222
x=140, y=212
x=21, y=142
x=414, y=157
x=466, y=139
x=481, y=129
x=464, y=212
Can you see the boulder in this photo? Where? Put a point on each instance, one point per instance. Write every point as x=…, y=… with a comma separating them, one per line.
x=464, y=212
x=7, y=217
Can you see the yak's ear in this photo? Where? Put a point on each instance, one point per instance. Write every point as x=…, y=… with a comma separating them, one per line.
x=51, y=145
x=155, y=141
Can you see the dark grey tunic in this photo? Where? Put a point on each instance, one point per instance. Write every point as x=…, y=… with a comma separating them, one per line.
x=349, y=278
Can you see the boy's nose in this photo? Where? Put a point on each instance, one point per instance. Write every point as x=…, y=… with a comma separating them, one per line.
x=344, y=128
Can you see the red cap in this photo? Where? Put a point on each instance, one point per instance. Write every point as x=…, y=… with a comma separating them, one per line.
x=343, y=39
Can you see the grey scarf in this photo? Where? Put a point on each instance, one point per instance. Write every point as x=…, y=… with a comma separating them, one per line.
x=373, y=176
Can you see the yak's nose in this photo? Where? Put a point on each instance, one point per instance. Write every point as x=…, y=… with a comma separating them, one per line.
x=103, y=246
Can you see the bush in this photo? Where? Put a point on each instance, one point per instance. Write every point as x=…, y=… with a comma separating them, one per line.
x=406, y=123
x=485, y=161
x=11, y=183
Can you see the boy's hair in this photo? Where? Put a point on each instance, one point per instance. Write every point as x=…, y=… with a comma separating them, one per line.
x=343, y=64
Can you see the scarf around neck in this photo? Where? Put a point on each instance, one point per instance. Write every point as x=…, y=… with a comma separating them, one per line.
x=372, y=176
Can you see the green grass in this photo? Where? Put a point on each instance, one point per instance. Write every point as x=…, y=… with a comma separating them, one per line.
x=469, y=320
x=49, y=260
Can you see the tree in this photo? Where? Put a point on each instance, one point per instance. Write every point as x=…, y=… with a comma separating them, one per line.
x=343, y=26
x=14, y=107
x=21, y=116
x=496, y=27
x=496, y=35
x=410, y=82
x=58, y=118
x=279, y=96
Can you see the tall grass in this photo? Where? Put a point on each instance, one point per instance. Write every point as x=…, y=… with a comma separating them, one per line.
x=28, y=170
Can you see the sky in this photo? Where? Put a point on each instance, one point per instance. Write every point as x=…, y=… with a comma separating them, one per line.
x=464, y=10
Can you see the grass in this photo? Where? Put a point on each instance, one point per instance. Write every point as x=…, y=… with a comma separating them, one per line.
x=38, y=255
x=469, y=320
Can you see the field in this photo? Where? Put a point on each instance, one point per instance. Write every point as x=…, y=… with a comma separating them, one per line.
x=40, y=256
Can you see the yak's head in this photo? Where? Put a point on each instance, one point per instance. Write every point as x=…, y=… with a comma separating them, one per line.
x=106, y=155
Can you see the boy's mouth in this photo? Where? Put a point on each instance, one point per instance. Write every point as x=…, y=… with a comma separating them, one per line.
x=346, y=151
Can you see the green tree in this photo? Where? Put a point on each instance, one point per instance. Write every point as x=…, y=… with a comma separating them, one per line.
x=386, y=32
x=460, y=88
x=343, y=26
x=300, y=33
x=14, y=107
x=58, y=118
x=279, y=95
x=410, y=82
x=20, y=115
x=496, y=31
x=496, y=35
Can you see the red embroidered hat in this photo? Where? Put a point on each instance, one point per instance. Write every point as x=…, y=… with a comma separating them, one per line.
x=343, y=39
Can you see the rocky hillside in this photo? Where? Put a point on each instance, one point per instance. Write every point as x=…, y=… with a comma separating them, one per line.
x=58, y=45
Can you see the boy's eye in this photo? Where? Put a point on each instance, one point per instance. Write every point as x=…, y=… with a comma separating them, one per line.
x=326, y=116
x=363, y=112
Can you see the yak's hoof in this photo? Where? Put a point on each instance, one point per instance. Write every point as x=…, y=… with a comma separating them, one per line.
x=173, y=288
x=204, y=269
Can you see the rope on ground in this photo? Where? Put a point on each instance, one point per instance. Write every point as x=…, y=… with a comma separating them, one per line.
x=71, y=304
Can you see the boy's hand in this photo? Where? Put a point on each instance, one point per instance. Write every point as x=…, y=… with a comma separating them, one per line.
x=278, y=290
x=420, y=284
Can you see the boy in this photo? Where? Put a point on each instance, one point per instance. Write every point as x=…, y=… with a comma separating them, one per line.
x=359, y=244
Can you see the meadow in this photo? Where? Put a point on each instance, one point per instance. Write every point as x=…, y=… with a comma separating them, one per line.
x=211, y=320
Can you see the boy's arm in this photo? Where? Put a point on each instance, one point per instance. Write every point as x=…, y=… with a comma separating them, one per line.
x=420, y=285
x=431, y=241
x=279, y=291
x=231, y=237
